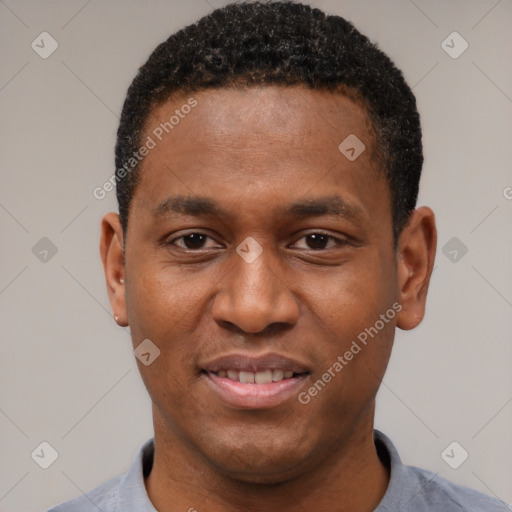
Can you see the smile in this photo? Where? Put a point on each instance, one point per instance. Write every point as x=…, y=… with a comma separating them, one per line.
x=248, y=382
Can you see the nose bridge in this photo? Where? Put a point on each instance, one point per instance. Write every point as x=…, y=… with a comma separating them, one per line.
x=256, y=284
x=253, y=295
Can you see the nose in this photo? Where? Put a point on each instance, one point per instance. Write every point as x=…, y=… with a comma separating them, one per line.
x=254, y=297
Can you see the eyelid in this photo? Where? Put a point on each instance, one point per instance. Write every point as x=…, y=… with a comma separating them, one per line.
x=171, y=240
x=338, y=240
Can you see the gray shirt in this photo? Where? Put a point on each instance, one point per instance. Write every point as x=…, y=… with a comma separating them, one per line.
x=410, y=489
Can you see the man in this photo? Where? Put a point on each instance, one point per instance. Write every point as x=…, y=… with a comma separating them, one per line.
x=267, y=247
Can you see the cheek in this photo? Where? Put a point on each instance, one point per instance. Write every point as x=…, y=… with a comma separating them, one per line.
x=162, y=309
x=166, y=308
x=347, y=383
x=354, y=309
x=352, y=298
x=161, y=304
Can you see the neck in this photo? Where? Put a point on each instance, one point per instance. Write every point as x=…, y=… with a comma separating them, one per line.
x=352, y=478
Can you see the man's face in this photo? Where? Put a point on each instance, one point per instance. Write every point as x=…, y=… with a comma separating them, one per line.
x=267, y=159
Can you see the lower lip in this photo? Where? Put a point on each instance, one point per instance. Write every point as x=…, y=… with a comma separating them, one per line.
x=255, y=396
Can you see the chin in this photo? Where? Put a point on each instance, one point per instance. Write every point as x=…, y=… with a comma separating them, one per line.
x=261, y=460
x=258, y=473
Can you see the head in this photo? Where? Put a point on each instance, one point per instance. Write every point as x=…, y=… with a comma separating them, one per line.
x=270, y=223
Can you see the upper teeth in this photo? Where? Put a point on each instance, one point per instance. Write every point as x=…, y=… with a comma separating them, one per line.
x=265, y=377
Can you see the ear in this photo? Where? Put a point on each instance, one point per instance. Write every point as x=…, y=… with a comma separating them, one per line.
x=415, y=260
x=112, y=257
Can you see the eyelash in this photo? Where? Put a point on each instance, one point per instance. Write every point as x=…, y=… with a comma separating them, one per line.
x=338, y=241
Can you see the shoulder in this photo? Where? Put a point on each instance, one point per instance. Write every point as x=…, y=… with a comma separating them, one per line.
x=124, y=493
x=437, y=493
x=104, y=498
x=413, y=489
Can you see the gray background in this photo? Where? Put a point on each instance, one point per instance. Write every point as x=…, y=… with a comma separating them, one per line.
x=68, y=375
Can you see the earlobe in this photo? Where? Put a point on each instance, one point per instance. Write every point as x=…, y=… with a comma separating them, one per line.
x=415, y=260
x=112, y=257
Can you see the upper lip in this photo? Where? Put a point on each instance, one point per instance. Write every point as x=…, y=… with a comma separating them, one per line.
x=251, y=363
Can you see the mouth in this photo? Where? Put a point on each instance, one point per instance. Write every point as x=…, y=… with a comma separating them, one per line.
x=246, y=382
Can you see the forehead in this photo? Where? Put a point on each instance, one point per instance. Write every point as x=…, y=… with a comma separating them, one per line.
x=263, y=112
x=260, y=143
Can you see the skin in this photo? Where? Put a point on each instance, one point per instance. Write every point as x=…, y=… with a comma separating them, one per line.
x=254, y=152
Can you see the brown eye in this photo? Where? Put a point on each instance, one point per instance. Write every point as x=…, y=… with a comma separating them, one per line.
x=318, y=242
x=191, y=241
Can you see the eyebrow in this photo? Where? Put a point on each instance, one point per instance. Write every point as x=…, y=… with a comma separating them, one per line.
x=197, y=206
x=188, y=205
x=330, y=205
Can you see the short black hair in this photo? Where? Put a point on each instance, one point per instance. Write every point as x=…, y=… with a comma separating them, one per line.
x=280, y=43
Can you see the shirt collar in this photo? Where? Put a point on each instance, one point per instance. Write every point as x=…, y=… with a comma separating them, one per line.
x=403, y=486
x=132, y=491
